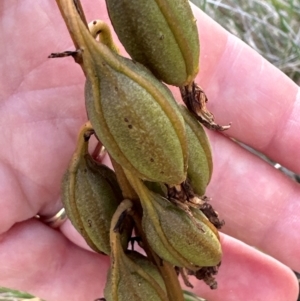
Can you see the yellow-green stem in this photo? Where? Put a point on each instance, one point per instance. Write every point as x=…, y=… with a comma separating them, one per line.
x=127, y=190
x=99, y=28
x=60, y=3
x=77, y=3
x=82, y=144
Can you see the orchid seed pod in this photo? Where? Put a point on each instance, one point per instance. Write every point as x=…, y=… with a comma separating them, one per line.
x=160, y=34
x=183, y=240
x=200, y=162
x=90, y=194
x=133, y=114
x=142, y=131
x=131, y=276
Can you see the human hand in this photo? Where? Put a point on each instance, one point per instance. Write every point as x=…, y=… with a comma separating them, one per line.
x=41, y=111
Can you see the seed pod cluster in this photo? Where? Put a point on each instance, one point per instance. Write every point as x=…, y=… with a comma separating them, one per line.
x=160, y=151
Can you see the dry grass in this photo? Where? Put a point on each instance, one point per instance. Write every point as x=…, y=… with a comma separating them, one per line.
x=13, y=295
x=7, y=294
x=271, y=27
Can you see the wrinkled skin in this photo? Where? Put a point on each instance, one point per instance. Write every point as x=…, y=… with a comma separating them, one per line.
x=41, y=110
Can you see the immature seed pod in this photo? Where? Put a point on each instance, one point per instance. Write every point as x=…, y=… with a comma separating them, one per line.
x=137, y=120
x=160, y=34
x=90, y=194
x=200, y=162
x=133, y=277
x=177, y=237
x=133, y=114
x=142, y=131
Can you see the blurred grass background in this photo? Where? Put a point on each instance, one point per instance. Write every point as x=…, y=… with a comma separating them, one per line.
x=271, y=27
x=7, y=294
x=13, y=295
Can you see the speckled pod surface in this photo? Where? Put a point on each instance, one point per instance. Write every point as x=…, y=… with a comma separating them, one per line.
x=160, y=34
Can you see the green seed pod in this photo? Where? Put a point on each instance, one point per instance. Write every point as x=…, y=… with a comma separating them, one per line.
x=137, y=120
x=133, y=114
x=133, y=277
x=135, y=126
x=160, y=34
x=200, y=162
x=177, y=237
x=90, y=194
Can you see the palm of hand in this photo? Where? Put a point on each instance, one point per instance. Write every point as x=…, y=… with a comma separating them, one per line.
x=41, y=111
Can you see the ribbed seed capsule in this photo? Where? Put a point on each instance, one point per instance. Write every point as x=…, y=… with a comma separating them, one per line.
x=131, y=275
x=90, y=194
x=200, y=162
x=133, y=114
x=135, y=127
x=183, y=240
x=160, y=34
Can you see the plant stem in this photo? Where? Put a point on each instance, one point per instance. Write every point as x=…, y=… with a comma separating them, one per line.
x=127, y=190
x=62, y=5
x=80, y=11
x=82, y=144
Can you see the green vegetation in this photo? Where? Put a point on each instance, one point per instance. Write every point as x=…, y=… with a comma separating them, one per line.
x=7, y=294
x=271, y=27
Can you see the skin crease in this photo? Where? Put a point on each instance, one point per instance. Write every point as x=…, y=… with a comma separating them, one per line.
x=41, y=111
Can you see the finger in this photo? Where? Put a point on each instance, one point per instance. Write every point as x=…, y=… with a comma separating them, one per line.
x=247, y=274
x=36, y=112
x=68, y=230
x=39, y=260
x=41, y=105
x=243, y=88
x=45, y=264
x=260, y=205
